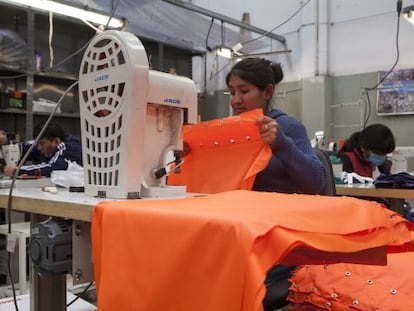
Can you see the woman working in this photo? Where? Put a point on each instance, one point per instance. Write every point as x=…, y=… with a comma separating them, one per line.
x=367, y=149
x=293, y=168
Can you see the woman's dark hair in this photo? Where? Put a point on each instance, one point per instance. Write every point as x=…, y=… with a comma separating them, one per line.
x=257, y=71
x=376, y=137
x=52, y=131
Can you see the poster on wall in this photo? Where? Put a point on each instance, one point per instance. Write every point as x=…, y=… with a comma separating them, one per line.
x=396, y=93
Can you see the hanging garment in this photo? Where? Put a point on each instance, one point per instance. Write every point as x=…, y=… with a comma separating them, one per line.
x=227, y=152
x=345, y=286
x=213, y=252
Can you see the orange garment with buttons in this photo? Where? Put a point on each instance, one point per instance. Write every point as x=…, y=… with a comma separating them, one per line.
x=212, y=252
x=345, y=286
x=227, y=152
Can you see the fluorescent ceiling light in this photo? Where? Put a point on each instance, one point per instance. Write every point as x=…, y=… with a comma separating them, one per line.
x=408, y=13
x=224, y=52
x=229, y=52
x=68, y=10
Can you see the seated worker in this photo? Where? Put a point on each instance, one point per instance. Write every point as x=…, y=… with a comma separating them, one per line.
x=367, y=149
x=54, y=148
x=294, y=166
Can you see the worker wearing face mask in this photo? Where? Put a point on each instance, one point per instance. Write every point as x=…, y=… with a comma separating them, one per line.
x=367, y=149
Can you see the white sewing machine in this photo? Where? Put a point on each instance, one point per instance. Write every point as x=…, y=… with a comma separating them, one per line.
x=11, y=154
x=131, y=119
x=399, y=158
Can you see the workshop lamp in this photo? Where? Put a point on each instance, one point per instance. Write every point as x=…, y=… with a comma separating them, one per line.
x=408, y=13
x=69, y=10
x=229, y=52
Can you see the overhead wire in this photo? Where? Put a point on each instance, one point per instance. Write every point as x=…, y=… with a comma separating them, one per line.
x=279, y=25
x=368, y=109
x=208, y=35
x=212, y=75
x=51, y=54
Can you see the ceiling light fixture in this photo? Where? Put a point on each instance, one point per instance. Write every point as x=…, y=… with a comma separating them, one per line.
x=69, y=10
x=229, y=52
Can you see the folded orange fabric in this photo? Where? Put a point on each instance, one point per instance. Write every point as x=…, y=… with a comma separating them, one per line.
x=227, y=153
x=346, y=286
x=212, y=252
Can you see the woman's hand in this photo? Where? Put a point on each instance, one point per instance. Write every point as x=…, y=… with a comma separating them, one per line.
x=268, y=128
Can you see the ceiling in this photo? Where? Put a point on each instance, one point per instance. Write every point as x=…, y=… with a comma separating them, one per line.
x=163, y=22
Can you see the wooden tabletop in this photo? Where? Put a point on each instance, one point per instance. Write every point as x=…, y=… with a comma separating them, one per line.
x=78, y=206
x=369, y=190
x=66, y=204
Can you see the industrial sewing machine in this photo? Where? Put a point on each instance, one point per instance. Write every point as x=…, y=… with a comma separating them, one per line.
x=399, y=158
x=11, y=154
x=131, y=119
x=131, y=123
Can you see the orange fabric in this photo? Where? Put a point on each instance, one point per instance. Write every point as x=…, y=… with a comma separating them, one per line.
x=212, y=252
x=227, y=152
x=355, y=287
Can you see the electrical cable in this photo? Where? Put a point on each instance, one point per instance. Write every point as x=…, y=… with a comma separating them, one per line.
x=222, y=34
x=252, y=40
x=397, y=45
x=79, y=295
x=51, y=54
x=279, y=25
x=21, y=163
x=26, y=155
x=397, y=49
x=208, y=35
x=220, y=70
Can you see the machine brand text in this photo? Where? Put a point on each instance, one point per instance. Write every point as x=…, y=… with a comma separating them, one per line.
x=102, y=77
x=172, y=101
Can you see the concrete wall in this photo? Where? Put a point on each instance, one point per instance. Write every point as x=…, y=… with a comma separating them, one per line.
x=338, y=46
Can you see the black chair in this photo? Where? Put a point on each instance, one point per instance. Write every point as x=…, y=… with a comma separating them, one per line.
x=323, y=156
x=277, y=292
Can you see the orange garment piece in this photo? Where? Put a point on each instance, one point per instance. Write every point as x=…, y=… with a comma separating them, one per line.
x=345, y=286
x=212, y=252
x=227, y=153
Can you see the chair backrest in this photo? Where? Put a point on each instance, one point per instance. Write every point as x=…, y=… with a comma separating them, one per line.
x=323, y=156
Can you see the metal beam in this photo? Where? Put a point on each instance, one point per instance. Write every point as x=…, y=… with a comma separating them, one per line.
x=232, y=21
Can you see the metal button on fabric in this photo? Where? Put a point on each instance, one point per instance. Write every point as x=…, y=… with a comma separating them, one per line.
x=355, y=302
x=347, y=273
x=334, y=295
x=393, y=291
x=370, y=282
x=328, y=304
x=248, y=137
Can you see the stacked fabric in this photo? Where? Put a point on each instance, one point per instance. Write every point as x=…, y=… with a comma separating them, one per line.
x=212, y=252
x=345, y=286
